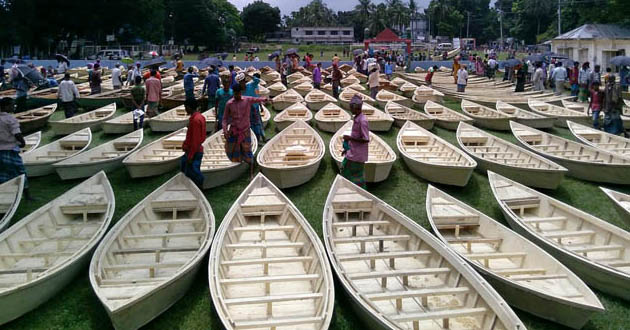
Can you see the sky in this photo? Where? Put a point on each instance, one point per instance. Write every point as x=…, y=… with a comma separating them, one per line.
x=287, y=6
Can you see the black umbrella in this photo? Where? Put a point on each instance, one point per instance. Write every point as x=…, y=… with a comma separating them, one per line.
x=292, y=51
x=222, y=56
x=156, y=62
x=30, y=73
x=275, y=54
x=211, y=61
x=512, y=62
x=357, y=52
x=620, y=60
x=535, y=58
x=62, y=58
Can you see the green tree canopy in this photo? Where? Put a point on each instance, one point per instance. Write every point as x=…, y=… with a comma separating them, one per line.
x=259, y=18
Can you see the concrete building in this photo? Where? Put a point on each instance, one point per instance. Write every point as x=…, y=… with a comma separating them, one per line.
x=596, y=43
x=419, y=28
x=322, y=35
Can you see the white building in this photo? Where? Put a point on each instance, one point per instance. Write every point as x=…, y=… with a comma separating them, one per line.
x=322, y=35
x=595, y=43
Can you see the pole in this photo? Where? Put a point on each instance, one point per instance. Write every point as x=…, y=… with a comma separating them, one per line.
x=468, y=25
x=559, y=19
x=501, y=28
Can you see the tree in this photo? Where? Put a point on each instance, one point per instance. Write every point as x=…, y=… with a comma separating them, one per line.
x=260, y=18
x=532, y=16
x=316, y=13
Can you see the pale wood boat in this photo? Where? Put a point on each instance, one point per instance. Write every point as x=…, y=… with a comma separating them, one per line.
x=350, y=80
x=105, y=157
x=157, y=157
x=295, y=112
x=122, y=124
x=48, y=248
x=626, y=107
x=383, y=97
x=408, y=89
x=330, y=118
x=265, y=116
x=294, y=77
x=500, y=156
x=486, y=117
x=10, y=197
x=432, y=158
x=292, y=157
x=362, y=78
x=381, y=157
x=399, y=275
x=621, y=202
x=398, y=82
x=612, y=143
x=378, y=120
x=305, y=80
x=276, y=274
x=216, y=167
x=317, y=99
x=583, y=107
x=525, y=275
x=304, y=88
x=150, y=258
x=346, y=96
x=40, y=161
x=597, y=251
x=525, y=117
x=33, y=120
x=32, y=142
x=92, y=119
x=276, y=89
x=402, y=114
x=262, y=90
x=177, y=118
x=583, y=161
x=561, y=114
x=445, y=117
x=356, y=87
x=270, y=76
x=286, y=99
x=424, y=94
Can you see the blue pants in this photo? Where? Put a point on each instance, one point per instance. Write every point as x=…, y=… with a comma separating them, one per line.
x=596, y=119
x=192, y=170
x=190, y=94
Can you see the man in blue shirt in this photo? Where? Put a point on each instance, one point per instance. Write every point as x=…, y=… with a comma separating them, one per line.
x=189, y=84
x=210, y=86
x=233, y=81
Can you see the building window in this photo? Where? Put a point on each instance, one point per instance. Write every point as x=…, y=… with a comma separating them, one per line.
x=308, y=33
x=346, y=33
x=321, y=33
x=334, y=33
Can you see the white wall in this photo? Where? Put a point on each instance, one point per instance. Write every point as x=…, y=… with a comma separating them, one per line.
x=599, y=51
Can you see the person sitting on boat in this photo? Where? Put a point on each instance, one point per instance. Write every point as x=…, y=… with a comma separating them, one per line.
x=236, y=128
x=11, y=140
x=190, y=163
x=353, y=165
x=67, y=93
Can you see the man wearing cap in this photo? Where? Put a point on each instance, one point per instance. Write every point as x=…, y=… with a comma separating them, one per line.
x=11, y=140
x=353, y=164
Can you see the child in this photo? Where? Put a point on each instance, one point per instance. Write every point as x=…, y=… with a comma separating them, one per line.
x=429, y=77
x=596, y=103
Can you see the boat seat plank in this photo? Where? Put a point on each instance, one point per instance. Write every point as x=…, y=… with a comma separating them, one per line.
x=596, y=248
x=396, y=273
x=497, y=255
x=270, y=279
x=545, y=219
x=373, y=238
x=122, y=267
x=276, y=322
x=418, y=293
x=170, y=221
x=156, y=249
x=384, y=255
x=263, y=261
x=264, y=228
x=272, y=299
x=162, y=235
x=444, y=314
x=538, y=277
x=563, y=234
x=360, y=223
x=265, y=245
x=520, y=271
x=474, y=240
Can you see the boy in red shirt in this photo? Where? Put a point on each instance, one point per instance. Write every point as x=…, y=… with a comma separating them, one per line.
x=190, y=163
x=596, y=103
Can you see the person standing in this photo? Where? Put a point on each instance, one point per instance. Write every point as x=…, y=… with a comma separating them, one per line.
x=521, y=76
x=595, y=105
x=595, y=76
x=373, y=81
x=137, y=98
x=67, y=93
x=179, y=66
x=223, y=95
x=456, y=67
x=210, y=86
x=317, y=76
x=389, y=70
x=583, y=81
x=612, y=106
x=538, y=80
x=336, y=80
x=251, y=90
x=462, y=79
x=353, y=164
x=21, y=85
x=429, y=77
x=236, y=128
x=117, y=77
x=11, y=140
x=492, y=67
x=154, y=94
x=233, y=81
x=574, y=78
x=189, y=83
x=62, y=67
x=190, y=163
x=2, y=73
x=96, y=80
x=624, y=75
x=559, y=76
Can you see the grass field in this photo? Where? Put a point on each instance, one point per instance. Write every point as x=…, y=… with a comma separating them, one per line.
x=77, y=307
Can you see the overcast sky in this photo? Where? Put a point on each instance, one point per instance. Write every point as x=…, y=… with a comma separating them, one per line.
x=287, y=6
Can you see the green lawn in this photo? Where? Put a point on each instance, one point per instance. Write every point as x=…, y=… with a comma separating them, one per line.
x=76, y=307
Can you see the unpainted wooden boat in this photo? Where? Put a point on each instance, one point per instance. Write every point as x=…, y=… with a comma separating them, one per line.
x=304, y=80
x=294, y=77
x=597, y=251
x=105, y=157
x=408, y=89
x=265, y=116
x=33, y=120
x=47, y=249
x=526, y=276
x=270, y=76
x=350, y=80
x=262, y=90
x=276, y=274
x=424, y=94
x=317, y=99
x=177, y=118
x=40, y=161
x=92, y=119
x=362, y=78
x=276, y=89
x=304, y=88
x=525, y=117
x=348, y=93
x=331, y=117
x=32, y=142
x=432, y=158
x=150, y=258
x=157, y=157
x=378, y=120
x=486, y=117
x=297, y=111
x=356, y=87
x=583, y=161
x=216, y=167
x=383, y=97
x=286, y=99
x=292, y=157
x=381, y=157
x=402, y=114
x=445, y=117
x=583, y=107
x=400, y=276
x=122, y=124
x=500, y=156
x=621, y=202
x=10, y=197
x=398, y=81
x=612, y=143
x=561, y=114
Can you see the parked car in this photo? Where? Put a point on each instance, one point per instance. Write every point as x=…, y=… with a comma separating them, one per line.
x=110, y=54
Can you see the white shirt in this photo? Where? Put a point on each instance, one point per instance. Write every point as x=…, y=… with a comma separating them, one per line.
x=256, y=59
x=492, y=63
x=559, y=74
x=462, y=77
x=116, y=77
x=67, y=91
x=62, y=68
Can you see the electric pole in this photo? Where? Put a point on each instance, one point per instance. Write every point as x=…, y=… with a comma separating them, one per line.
x=468, y=25
x=501, y=27
x=559, y=19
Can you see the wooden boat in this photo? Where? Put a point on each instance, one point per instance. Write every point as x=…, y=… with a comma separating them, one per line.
x=292, y=157
x=381, y=157
x=277, y=275
x=286, y=99
x=157, y=157
x=297, y=111
x=526, y=276
x=583, y=161
x=424, y=94
x=402, y=114
x=122, y=124
x=305, y=80
x=449, y=56
x=48, y=248
x=177, y=118
x=270, y=76
x=398, y=82
x=216, y=167
x=621, y=202
x=92, y=119
x=500, y=156
x=150, y=258
x=108, y=96
x=10, y=197
x=383, y=97
x=612, y=143
x=294, y=77
x=33, y=120
x=265, y=116
x=331, y=118
x=262, y=90
x=408, y=89
x=276, y=89
x=525, y=117
x=317, y=99
x=432, y=158
x=378, y=120
x=445, y=117
x=350, y=80
x=626, y=107
x=400, y=276
x=32, y=142
x=561, y=114
x=356, y=87
x=486, y=117
x=105, y=157
x=347, y=94
x=304, y=88
x=40, y=161
x=362, y=78
x=597, y=251
x=583, y=107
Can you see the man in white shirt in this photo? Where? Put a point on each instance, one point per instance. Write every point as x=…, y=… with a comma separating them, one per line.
x=67, y=93
x=492, y=66
x=116, y=77
x=62, y=67
x=462, y=79
x=559, y=76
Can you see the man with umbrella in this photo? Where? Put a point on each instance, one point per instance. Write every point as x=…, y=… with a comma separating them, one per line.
x=63, y=63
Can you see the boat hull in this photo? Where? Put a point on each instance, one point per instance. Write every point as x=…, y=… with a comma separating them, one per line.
x=424, y=123
x=93, y=103
x=450, y=175
x=374, y=172
x=34, y=125
x=60, y=128
x=290, y=177
x=562, y=121
x=316, y=106
x=168, y=125
x=449, y=124
x=39, y=169
x=85, y=170
x=281, y=125
x=380, y=125
x=143, y=170
x=223, y=176
x=546, y=179
x=495, y=124
x=281, y=105
x=329, y=126
x=538, y=123
x=117, y=128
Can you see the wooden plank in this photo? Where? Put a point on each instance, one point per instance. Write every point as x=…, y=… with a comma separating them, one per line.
x=374, y=238
x=265, y=245
x=564, y=234
x=156, y=249
x=276, y=322
x=263, y=261
x=538, y=277
x=596, y=248
x=270, y=279
x=384, y=255
x=418, y=293
x=271, y=299
x=497, y=255
x=520, y=271
x=396, y=273
x=163, y=235
x=360, y=223
x=443, y=314
x=264, y=228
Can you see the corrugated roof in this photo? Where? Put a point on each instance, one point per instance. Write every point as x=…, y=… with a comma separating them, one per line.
x=596, y=31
